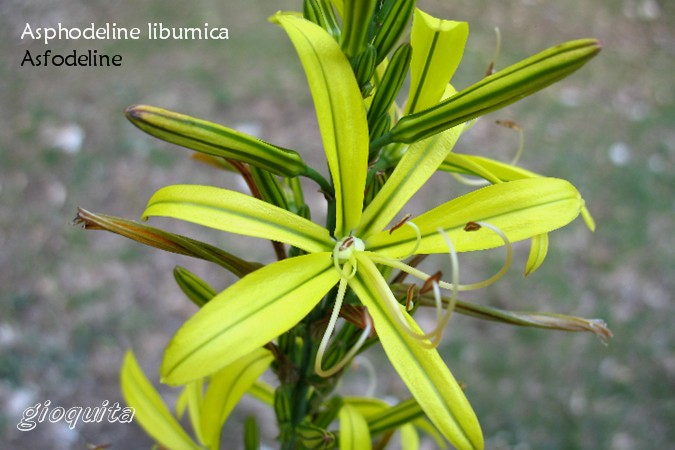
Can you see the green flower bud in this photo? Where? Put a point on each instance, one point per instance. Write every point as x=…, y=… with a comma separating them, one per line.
x=321, y=13
x=380, y=127
x=197, y=290
x=390, y=23
x=282, y=404
x=495, y=91
x=357, y=15
x=214, y=139
x=391, y=83
x=251, y=434
x=364, y=68
x=271, y=189
x=315, y=438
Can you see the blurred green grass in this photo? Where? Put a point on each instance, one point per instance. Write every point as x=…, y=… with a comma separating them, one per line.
x=72, y=302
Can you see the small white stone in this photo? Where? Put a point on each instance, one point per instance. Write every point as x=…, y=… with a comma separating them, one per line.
x=619, y=153
x=67, y=138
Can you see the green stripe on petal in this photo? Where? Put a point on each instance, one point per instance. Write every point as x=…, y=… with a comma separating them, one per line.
x=340, y=113
x=354, y=432
x=417, y=165
x=422, y=370
x=149, y=408
x=521, y=209
x=438, y=46
x=248, y=315
x=235, y=212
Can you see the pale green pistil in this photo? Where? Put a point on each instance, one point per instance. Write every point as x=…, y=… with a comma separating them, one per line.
x=346, y=247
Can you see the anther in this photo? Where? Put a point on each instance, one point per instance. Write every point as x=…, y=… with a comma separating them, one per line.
x=400, y=223
x=346, y=243
x=429, y=282
x=509, y=124
x=409, y=297
x=472, y=226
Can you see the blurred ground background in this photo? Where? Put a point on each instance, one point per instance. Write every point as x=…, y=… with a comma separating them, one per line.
x=72, y=301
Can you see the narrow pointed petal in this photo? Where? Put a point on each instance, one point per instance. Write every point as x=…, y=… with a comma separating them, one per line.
x=150, y=411
x=521, y=209
x=247, y=315
x=495, y=171
x=191, y=398
x=263, y=392
x=226, y=388
x=235, y=212
x=382, y=417
x=538, y=251
x=354, y=432
x=418, y=163
x=438, y=46
x=422, y=370
x=340, y=112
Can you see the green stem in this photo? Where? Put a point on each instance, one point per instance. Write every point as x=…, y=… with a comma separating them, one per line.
x=380, y=142
x=326, y=188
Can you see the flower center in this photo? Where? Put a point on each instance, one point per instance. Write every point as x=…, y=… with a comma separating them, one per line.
x=346, y=247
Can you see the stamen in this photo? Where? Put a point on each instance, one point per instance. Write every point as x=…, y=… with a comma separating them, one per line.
x=455, y=278
x=472, y=226
x=498, y=47
x=372, y=375
x=428, y=284
x=394, y=307
x=507, y=262
x=426, y=340
x=418, y=235
x=400, y=223
x=342, y=288
x=346, y=243
x=470, y=181
x=406, y=221
x=409, y=297
x=443, y=284
x=521, y=138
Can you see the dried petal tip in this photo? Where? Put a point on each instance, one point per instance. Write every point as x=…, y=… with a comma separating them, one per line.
x=84, y=218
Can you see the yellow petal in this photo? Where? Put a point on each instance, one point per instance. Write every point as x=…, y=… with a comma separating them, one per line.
x=340, y=112
x=226, y=387
x=235, y=212
x=354, y=433
x=247, y=315
x=521, y=209
x=421, y=369
x=149, y=408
